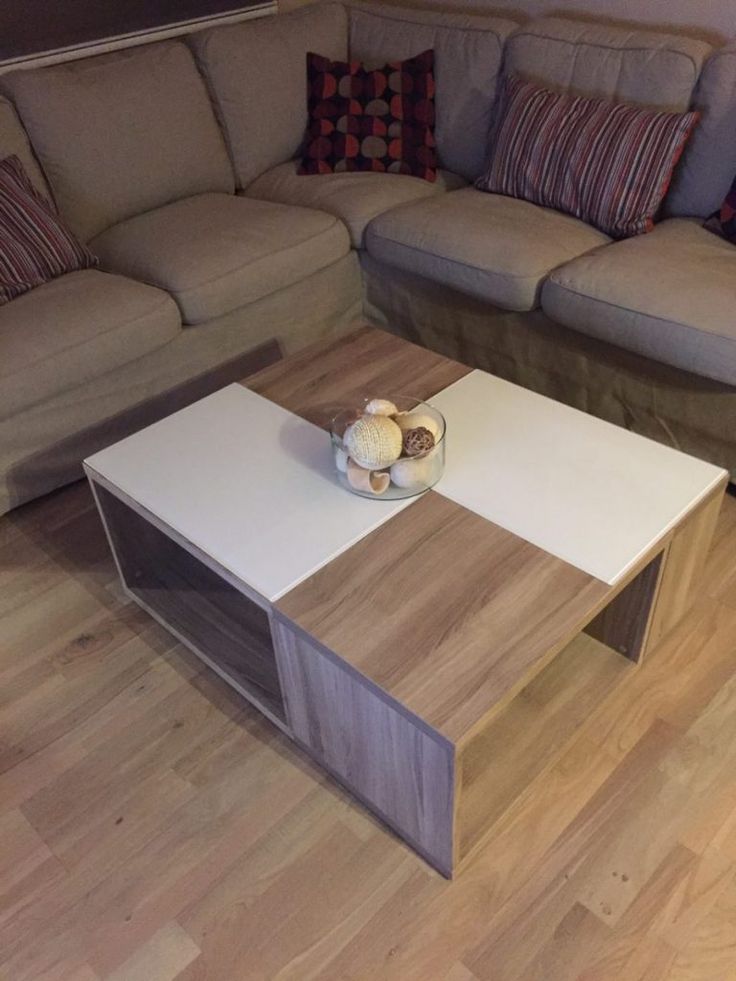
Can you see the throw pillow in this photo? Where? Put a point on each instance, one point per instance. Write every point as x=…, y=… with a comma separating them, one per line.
x=371, y=120
x=723, y=222
x=35, y=247
x=609, y=164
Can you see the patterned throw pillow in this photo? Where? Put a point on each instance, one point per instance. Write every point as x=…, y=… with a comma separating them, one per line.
x=723, y=222
x=380, y=120
x=34, y=245
x=609, y=164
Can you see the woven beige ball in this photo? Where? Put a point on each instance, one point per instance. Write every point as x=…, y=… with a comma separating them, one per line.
x=374, y=442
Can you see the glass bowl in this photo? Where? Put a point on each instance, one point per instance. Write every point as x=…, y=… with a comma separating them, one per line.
x=422, y=457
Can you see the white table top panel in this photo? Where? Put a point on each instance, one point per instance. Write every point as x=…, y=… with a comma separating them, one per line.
x=584, y=490
x=247, y=482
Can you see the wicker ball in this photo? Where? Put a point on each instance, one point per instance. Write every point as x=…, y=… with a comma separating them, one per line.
x=418, y=441
x=374, y=442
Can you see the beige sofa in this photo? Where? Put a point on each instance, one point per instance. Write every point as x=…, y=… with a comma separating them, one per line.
x=175, y=162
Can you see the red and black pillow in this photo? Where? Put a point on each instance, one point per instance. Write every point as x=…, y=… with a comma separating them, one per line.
x=723, y=221
x=379, y=120
x=35, y=247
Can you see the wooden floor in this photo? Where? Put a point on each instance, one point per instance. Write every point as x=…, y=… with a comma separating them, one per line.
x=154, y=828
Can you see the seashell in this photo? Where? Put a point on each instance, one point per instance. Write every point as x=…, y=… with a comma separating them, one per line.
x=341, y=459
x=413, y=474
x=418, y=420
x=418, y=441
x=381, y=407
x=374, y=442
x=366, y=480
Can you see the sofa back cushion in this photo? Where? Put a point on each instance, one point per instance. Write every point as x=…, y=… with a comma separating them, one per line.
x=257, y=75
x=709, y=164
x=598, y=61
x=14, y=143
x=468, y=51
x=122, y=133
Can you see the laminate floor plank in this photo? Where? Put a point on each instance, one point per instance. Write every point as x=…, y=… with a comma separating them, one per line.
x=154, y=827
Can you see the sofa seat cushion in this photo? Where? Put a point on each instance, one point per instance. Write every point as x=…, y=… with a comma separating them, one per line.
x=76, y=328
x=217, y=252
x=354, y=198
x=668, y=295
x=496, y=248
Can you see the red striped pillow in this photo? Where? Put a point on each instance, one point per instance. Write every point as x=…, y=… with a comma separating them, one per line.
x=34, y=245
x=609, y=164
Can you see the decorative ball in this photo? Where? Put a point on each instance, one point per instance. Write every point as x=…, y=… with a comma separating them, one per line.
x=374, y=442
x=381, y=407
x=418, y=441
x=413, y=474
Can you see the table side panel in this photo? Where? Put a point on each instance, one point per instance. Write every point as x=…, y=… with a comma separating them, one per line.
x=624, y=624
x=397, y=768
x=684, y=560
x=210, y=614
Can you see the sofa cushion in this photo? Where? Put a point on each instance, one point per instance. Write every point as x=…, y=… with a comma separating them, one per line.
x=607, y=163
x=257, y=76
x=76, y=328
x=379, y=120
x=497, y=248
x=353, y=198
x=668, y=296
x=217, y=252
x=14, y=143
x=468, y=52
x=35, y=247
x=709, y=162
x=598, y=61
x=122, y=133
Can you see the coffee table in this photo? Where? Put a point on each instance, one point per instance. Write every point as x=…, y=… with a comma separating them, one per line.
x=402, y=643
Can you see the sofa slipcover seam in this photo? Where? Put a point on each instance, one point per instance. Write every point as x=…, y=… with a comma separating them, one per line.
x=181, y=293
x=235, y=269
x=608, y=47
x=466, y=265
x=437, y=27
x=111, y=330
x=641, y=313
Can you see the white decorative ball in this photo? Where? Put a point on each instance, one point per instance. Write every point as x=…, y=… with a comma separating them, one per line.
x=381, y=407
x=413, y=474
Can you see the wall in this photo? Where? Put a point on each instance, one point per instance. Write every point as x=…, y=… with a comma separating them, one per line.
x=30, y=29
x=715, y=19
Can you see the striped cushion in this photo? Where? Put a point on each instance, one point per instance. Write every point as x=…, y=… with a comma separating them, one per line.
x=609, y=164
x=34, y=245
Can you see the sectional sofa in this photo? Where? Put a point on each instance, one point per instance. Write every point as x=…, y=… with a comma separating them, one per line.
x=175, y=163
